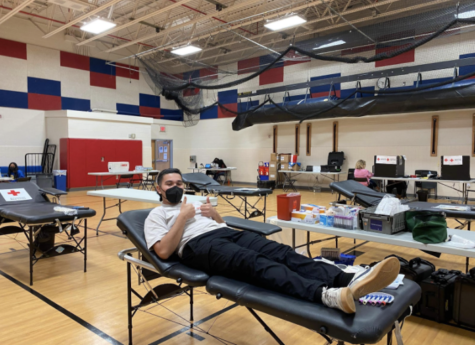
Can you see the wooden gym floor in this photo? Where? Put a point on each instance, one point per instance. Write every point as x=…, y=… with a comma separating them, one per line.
x=67, y=306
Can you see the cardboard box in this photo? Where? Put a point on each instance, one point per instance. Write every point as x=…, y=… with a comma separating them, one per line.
x=273, y=171
x=305, y=217
x=273, y=157
x=272, y=176
x=285, y=158
x=285, y=166
x=295, y=167
x=273, y=165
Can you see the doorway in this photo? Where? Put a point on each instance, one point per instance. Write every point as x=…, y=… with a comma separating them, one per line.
x=162, y=154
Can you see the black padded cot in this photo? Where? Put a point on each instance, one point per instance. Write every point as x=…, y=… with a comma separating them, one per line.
x=28, y=205
x=368, y=326
x=204, y=184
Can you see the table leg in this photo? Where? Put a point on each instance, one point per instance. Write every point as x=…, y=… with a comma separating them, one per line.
x=31, y=254
x=265, y=207
x=102, y=182
x=308, y=245
x=85, y=245
x=103, y=215
x=96, y=181
x=293, y=238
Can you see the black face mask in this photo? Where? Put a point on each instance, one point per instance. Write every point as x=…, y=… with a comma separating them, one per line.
x=174, y=194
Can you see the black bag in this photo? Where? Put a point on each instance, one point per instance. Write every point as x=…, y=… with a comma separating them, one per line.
x=416, y=269
x=464, y=299
x=438, y=295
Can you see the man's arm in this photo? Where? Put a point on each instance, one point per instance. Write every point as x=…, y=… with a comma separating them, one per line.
x=169, y=243
x=207, y=210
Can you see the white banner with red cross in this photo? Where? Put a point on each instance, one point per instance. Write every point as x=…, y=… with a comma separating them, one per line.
x=15, y=194
x=453, y=160
x=386, y=159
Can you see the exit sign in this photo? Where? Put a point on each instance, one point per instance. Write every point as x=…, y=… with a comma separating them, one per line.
x=162, y=129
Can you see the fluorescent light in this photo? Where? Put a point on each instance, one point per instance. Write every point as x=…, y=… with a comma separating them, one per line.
x=98, y=26
x=185, y=50
x=285, y=23
x=331, y=44
x=465, y=15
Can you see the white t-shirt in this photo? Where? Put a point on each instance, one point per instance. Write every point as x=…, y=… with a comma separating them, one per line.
x=161, y=220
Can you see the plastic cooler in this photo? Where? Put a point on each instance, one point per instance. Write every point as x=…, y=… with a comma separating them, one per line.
x=286, y=203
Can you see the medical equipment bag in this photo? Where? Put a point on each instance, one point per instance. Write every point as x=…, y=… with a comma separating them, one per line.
x=438, y=295
x=464, y=299
x=427, y=226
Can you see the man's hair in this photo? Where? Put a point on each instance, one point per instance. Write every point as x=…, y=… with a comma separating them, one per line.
x=361, y=164
x=166, y=172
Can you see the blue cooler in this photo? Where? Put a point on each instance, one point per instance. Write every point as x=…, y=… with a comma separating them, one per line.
x=60, y=179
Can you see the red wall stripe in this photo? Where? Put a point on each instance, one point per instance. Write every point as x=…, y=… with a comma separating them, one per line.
x=150, y=112
x=43, y=102
x=12, y=49
x=326, y=93
x=74, y=61
x=103, y=80
x=248, y=65
x=271, y=76
x=403, y=58
x=222, y=113
x=130, y=72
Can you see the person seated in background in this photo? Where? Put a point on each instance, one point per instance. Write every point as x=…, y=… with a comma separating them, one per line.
x=220, y=164
x=14, y=172
x=361, y=172
x=200, y=237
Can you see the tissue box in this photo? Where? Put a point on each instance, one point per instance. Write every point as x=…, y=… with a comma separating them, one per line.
x=304, y=217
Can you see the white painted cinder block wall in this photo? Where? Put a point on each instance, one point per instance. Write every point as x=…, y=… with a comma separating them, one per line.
x=21, y=132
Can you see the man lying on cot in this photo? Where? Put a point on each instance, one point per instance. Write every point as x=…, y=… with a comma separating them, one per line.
x=203, y=241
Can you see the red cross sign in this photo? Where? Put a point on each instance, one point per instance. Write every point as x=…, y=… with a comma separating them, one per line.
x=17, y=194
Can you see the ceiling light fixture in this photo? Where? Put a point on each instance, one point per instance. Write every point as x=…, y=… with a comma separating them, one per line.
x=98, y=25
x=187, y=50
x=466, y=15
x=331, y=44
x=284, y=23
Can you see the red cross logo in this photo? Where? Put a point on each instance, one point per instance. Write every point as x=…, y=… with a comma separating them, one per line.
x=378, y=159
x=451, y=160
x=12, y=192
x=446, y=159
x=388, y=159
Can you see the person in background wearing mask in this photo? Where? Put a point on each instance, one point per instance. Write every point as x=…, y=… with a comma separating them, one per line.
x=14, y=172
x=200, y=237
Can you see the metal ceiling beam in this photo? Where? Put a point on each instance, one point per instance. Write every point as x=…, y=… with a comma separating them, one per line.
x=191, y=22
x=309, y=22
x=15, y=10
x=133, y=22
x=356, y=21
x=81, y=18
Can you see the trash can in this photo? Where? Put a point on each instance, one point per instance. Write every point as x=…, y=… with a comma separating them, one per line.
x=60, y=179
x=422, y=195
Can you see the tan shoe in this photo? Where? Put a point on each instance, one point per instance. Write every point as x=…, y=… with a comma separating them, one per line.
x=375, y=278
x=339, y=298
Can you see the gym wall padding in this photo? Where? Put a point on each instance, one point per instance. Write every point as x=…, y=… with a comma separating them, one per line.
x=82, y=156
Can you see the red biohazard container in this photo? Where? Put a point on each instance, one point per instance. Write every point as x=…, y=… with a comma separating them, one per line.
x=286, y=204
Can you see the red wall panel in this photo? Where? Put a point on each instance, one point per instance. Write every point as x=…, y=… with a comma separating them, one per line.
x=82, y=156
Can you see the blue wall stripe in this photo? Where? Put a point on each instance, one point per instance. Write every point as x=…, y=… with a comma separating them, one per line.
x=211, y=113
x=68, y=103
x=100, y=66
x=172, y=114
x=13, y=99
x=128, y=109
x=228, y=97
x=149, y=100
x=44, y=86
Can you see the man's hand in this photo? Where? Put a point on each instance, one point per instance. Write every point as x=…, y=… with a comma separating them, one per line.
x=207, y=210
x=187, y=210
